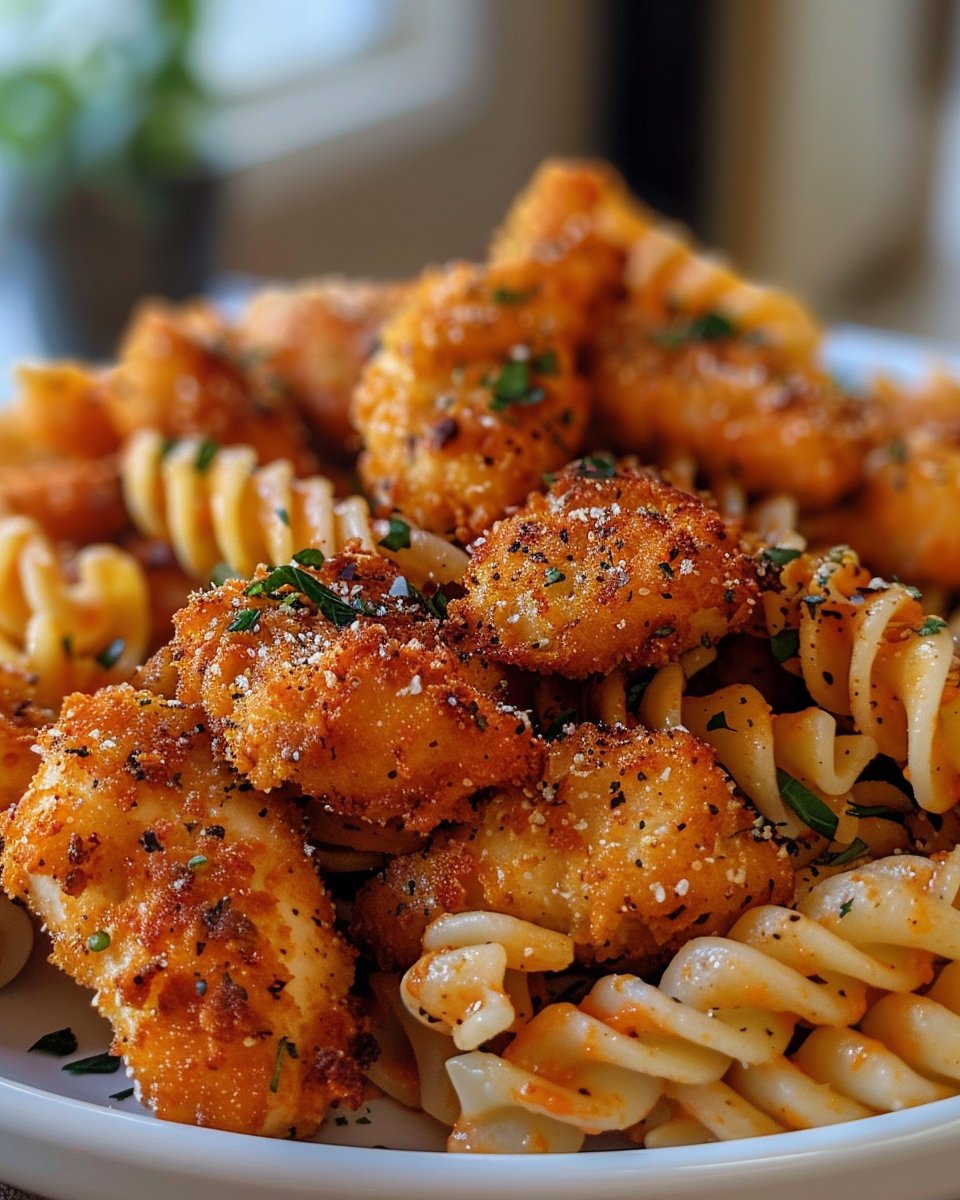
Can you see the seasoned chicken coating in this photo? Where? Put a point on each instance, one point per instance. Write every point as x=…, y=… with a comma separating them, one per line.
x=336, y=680
x=190, y=903
x=743, y=411
x=180, y=372
x=635, y=843
x=316, y=337
x=577, y=211
x=61, y=407
x=71, y=499
x=20, y=722
x=611, y=567
x=475, y=394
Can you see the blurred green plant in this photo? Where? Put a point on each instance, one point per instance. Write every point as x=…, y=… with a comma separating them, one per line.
x=122, y=112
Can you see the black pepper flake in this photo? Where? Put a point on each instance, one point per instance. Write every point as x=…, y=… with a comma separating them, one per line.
x=150, y=842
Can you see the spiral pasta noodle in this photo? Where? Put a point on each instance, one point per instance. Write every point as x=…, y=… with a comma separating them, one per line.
x=75, y=623
x=708, y=1054
x=216, y=505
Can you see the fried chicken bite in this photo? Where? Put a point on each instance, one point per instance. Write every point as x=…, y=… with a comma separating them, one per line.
x=316, y=337
x=190, y=903
x=61, y=407
x=336, y=680
x=635, y=842
x=180, y=372
x=21, y=720
x=744, y=411
x=475, y=394
x=611, y=567
x=71, y=499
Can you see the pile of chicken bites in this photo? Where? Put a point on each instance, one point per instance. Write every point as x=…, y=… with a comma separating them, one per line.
x=372, y=554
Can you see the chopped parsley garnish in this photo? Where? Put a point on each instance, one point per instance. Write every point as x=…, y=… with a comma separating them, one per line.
x=398, y=537
x=636, y=691
x=719, y=721
x=309, y=557
x=809, y=807
x=198, y=861
x=666, y=570
x=597, y=466
x=856, y=849
x=897, y=451
x=109, y=656
x=513, y=388
x=881, y=811
x=283, y=516
x=96, y=1064
x=845, y=908
x=99, y=941
x=60, y=1043
x=125, y=1094
x=546, y=363
x=708, y=327
x=244, y=621
x=206, y=453
x=780, y=555
x=284, y=1048
x=337, y=610
x=67, y=643
x=663, y=631
x=558, y=724
x=553, y=575
x=931, y=626
x=505, y=295
x=785, y=644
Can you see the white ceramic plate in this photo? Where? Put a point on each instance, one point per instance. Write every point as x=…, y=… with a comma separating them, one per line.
x=63, y=1136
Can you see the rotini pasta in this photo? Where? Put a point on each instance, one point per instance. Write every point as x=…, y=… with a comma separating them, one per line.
x=714, y=1038
x=77, y=623
x=215, y=505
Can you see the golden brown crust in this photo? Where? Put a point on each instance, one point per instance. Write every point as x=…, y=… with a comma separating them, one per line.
x=610, y=567
x=316, y=338
x=475, y=394
x=180, y=372
x=222, y=952
x=61, y=407
x=379, y=717
x=744, y=412
x=636, y=843
x=20, y=723
x=72, y=500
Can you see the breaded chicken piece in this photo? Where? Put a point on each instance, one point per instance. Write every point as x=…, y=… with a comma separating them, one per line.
x=316, y=337
x=611, y=567
x=635, y=843
x=61, y=407
x=180, y=372
x=578, y=212
x=352, y=696
x=743, y=411
x=71, y=499
x=21, y=720
x=190, y=903
x=475, y=394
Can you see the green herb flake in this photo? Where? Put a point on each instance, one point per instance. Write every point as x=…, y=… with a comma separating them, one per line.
x=244, y=621
x=719, y=721
x=931, y=626
x=546, y=363
x=330, y=605
x=663, y=631
x=597, y=466
x=283, y=516
x=67, y=643
x=198, y=861
x=96, y=1064
x=553, y=575
x=558, y=724
x=708, y=327
x=845, y=908
x=879, y=811
x=512, y=388
x=666, y=570
x=98, y=942
x=856, y=849
x=809, y=808
x=505, y=295
x=897, y=451
x=110, y=655
x=59, y=1044
x=309, y=557
x=206, y=453
x=785, y=644
x=125, y=1094
x=780, y=555
x=284, y=1048
x=398, y=537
